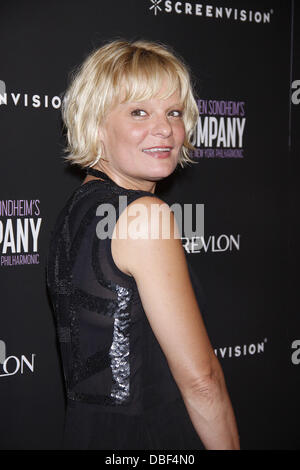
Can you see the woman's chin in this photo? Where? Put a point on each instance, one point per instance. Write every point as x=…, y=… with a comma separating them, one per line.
x=159, y=175
x=162, y=170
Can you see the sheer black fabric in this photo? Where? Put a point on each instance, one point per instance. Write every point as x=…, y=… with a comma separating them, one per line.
x=120, y=391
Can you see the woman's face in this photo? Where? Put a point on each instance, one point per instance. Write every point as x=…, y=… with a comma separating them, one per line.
x=142, y=140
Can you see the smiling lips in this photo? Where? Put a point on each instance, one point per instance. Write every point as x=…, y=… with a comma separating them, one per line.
x=158, y=152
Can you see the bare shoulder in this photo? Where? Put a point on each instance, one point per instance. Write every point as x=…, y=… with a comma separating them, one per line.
x=152, y=252
x=146, y=227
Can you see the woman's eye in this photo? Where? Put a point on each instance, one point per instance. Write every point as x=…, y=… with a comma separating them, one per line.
x=176, y=113
x=138, y=112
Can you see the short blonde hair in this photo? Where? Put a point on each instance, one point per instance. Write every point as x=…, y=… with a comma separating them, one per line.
x=140, y=66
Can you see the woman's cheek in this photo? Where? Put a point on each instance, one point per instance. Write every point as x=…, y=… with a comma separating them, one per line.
x=138, y=134
x=180, y=133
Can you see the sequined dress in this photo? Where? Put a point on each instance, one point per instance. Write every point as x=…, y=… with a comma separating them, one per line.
x=120, y=391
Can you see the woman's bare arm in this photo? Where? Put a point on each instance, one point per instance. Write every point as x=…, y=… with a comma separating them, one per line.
x=160, y=270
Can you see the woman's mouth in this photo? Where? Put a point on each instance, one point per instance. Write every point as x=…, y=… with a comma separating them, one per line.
x=158, y=152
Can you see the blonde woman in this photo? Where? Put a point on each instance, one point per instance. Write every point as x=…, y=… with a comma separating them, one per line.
x=140, y=371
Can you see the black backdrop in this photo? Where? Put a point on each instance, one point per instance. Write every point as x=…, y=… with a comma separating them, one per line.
x=239, y=51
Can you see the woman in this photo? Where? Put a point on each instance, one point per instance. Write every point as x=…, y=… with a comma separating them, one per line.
x=139, y=369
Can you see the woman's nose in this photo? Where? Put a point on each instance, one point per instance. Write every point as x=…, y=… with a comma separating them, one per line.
x=162, y=126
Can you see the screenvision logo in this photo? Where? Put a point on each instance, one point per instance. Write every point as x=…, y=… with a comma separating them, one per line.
x=27, y=100
x=241, y=350
x=11, y=365
x=210, y=11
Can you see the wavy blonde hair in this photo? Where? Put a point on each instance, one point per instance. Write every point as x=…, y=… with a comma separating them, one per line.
x=141, y=67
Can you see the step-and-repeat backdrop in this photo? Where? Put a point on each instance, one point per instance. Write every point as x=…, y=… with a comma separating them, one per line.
x=244, y=56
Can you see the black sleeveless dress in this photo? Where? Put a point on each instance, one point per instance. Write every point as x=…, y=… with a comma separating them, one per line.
x=120, y=391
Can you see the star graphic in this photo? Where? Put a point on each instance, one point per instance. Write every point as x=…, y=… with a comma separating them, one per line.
x=155, y=6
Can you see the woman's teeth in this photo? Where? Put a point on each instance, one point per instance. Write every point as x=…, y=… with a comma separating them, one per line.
x=158, y=149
